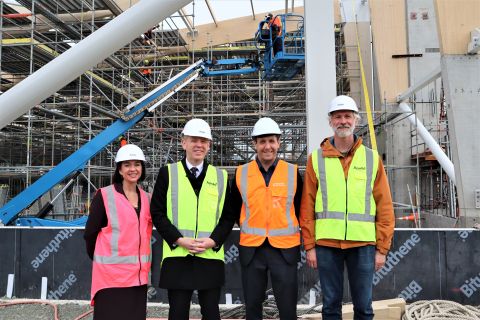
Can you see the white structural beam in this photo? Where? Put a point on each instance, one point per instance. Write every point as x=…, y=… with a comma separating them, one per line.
x=186, y=19
x=210, y=9
x=430, y=141
x=87, y=53
x=435, y=74
x=320, y=69
x=253, y=9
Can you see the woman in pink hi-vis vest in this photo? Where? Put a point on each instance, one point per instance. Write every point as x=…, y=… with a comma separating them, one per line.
x=117, y=235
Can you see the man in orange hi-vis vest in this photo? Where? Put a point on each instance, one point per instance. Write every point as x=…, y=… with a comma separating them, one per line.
x=266, y=195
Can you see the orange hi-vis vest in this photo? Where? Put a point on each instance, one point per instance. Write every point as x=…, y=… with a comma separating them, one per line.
x=122, y=252
x=268, y=212
x=276, y=22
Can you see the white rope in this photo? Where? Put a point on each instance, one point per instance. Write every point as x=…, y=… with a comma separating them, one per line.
x=440, y=310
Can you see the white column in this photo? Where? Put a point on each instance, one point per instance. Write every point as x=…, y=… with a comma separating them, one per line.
x=320, y=68
x=44, y=288
x=81, y=57
x=10, y=283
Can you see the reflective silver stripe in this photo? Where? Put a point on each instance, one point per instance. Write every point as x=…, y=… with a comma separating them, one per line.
x=113, y=218
x=330, y=215
x=366, y=217
x=244, y=228
x=187, y=233
x=290, y=229
x=116, y=260
x=146, y=258
x=112, y=206
x=174, y=192
x=284, y=232
x=323, y=180
x=368, y=187
x=175, y=199
x=203, y=234
x=220, y=185
x=121, y=259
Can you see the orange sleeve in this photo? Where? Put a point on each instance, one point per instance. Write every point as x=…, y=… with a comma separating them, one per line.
x=307, y=206
x=385, y=218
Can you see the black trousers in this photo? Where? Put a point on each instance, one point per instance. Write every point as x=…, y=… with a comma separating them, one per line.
x=282, y=266
x=179, y=301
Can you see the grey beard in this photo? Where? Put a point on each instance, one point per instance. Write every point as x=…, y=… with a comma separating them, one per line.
x=345, y=133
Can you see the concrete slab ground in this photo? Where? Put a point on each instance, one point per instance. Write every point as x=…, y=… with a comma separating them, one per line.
x=21, y=309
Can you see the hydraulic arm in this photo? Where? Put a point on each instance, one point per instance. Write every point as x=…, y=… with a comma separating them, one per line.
x=76, y=161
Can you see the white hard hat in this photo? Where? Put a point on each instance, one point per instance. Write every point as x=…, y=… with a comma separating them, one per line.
x=342, y=103
x=197, y=128
x=129, y=152
x=265, y=126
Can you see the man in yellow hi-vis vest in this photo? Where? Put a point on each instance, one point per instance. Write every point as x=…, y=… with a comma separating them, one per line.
x=266, y=194
x=346, y=213
x=190, y=210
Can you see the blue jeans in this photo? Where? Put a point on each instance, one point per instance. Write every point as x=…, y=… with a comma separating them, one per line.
x=360, y=264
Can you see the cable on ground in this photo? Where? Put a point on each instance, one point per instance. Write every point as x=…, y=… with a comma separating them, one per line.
x=55, y=309
x=83, y=315
x=440, y=310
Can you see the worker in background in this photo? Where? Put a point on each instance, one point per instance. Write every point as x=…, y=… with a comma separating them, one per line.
x=147, y=37
x=190, y=211
x=266, y=194
x=117, y=236
x=146, y=71
x=346, y=213
x=275, y=26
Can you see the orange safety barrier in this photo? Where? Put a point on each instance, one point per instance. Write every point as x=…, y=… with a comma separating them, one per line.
x=16, y=15
x=409, y=217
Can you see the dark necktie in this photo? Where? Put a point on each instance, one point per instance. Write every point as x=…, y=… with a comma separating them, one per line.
x=194, y=171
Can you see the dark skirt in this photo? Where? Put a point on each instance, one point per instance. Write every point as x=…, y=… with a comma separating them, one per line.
x=192, y=273
x=121, y=303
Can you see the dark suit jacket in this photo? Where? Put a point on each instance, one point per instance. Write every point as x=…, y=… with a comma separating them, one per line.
x=189, y=272
x=291, y=255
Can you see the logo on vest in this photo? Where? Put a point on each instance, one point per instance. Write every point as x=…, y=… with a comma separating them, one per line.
x=279, y=184
x=359, y=168
x=212, y=183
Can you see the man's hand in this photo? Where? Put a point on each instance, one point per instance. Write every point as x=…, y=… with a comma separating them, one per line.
x=312, y=258
x=379, y=260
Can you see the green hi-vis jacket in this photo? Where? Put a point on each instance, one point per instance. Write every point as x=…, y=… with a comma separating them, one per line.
x=195, y=217
x=345, y=208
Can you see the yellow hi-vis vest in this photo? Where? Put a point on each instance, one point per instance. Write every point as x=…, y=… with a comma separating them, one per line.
x=194, y=217
x=345, y=208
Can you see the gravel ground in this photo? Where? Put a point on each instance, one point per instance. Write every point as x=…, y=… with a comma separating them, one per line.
x=24, y=309
x=30, y=309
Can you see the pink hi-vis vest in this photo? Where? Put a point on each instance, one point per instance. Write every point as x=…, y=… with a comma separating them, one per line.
x=122, y=251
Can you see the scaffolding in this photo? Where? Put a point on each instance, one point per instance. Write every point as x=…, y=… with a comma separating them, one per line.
x=37, y=31
x=58, y=126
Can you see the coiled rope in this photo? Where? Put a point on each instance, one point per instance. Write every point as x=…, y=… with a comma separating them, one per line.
x=440, y=310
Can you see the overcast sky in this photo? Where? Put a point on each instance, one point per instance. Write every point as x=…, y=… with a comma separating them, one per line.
x=228, y=9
